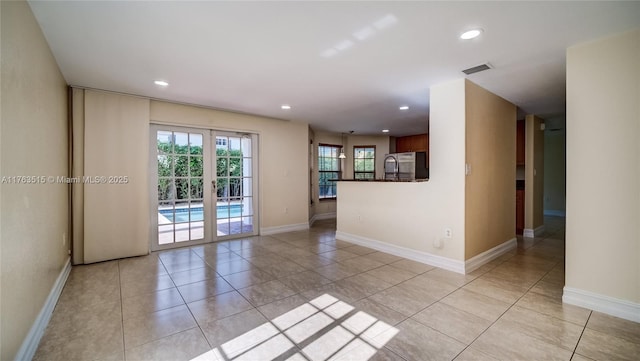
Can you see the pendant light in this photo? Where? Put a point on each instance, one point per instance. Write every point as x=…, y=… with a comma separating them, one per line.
x=342, y=156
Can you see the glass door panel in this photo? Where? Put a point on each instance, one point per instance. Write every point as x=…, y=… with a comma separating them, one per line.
x=234, y=193
x=179, y=168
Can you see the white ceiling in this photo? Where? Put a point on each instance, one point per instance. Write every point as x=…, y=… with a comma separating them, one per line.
x=252, y=57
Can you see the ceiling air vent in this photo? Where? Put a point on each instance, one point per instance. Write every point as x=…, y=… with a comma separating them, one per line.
x=478, y=68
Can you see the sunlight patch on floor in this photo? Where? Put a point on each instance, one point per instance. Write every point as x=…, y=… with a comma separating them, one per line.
x=339, y=334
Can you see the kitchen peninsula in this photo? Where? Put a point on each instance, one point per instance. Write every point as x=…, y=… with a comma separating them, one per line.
x=403, y=218
x=464, y=215
x=384, y=180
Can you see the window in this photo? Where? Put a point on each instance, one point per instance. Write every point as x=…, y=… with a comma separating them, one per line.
x=364, y=162
x=328, y=170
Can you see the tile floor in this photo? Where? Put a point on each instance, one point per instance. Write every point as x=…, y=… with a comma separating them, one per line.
x=305, y=295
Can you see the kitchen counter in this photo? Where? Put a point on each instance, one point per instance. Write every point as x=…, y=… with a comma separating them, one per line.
x=382, y=180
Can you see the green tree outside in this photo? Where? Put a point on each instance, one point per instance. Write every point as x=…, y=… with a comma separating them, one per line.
x=186, y=163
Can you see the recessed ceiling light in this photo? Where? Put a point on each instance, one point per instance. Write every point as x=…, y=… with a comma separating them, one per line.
x=404, y=107
x=161, y=83
x=344, y=45
x=385, y=21
x=385, y=130
x=285, y=106
x=470, y=34
x=329, y=53
x=364, y=33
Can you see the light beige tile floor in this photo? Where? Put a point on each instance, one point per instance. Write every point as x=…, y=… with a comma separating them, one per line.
x=307, y=296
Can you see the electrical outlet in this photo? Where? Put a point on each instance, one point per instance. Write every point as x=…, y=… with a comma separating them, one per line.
x=286, y=210
x=448, y=233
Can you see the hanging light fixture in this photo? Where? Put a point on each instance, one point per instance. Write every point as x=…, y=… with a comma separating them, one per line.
x=342, y=156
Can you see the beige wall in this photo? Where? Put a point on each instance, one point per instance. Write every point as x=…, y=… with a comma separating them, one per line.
x=534, y=173
x=554, y=166
x=283, y=157
x=116, y=143
x=414, y=215
x=34, y=142
x=603, y=167
x=490, y=186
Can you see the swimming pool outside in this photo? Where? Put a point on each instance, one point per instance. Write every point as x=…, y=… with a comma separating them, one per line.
x=182, y=214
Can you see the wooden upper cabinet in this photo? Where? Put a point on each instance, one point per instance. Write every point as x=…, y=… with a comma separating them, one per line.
x=403, y=144
x=413, y=143
x=520, y=142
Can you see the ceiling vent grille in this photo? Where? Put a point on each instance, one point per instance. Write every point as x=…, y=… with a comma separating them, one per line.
x=478, y=68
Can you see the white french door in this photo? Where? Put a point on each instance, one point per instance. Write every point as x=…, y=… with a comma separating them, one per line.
x=202, y=186
x=235, y=199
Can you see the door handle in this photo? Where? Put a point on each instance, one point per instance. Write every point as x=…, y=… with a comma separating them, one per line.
x=213, y=185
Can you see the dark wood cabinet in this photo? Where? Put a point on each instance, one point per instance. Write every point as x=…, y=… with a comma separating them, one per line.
x=519, y=211
x=413, y=143
x=520, y=142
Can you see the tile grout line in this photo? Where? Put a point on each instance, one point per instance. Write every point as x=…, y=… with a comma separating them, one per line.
x=443, y=297
x=124, y=353
x=523, y=295
x=185, y=301
x=185, y=304
x=332, y=282
x=582, y=333
x=507, y=310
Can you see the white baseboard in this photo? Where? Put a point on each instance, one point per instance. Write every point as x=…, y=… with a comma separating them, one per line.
x=414, y=255
x=265, y=231
x=487, y=256
x=321, y=216
x=601, y=303
x=30, y=343
x=531, y=233
x=555, y=213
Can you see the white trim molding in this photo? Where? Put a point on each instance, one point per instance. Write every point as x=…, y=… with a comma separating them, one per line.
x=265, y=231
x=531, y=233
x=414, y=255
x=554, y=212
x=487, y=256
x=601, y=303
x=30, y=344
x=321, y=216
